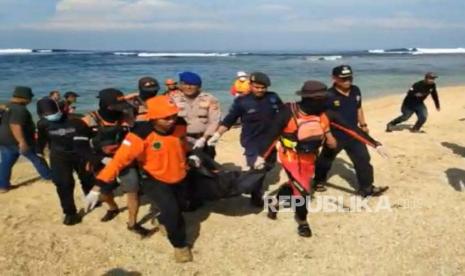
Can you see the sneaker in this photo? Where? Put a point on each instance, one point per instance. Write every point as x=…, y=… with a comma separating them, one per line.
x=138, y=229
x=304, y=230
x=72, y=219
x=389, y=127
x=4, y=190
x=375, y=191
x=273, y=212
x=109, y=215
x=183, y=255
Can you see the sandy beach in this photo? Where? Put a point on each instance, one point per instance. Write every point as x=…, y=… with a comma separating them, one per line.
x=422, y=233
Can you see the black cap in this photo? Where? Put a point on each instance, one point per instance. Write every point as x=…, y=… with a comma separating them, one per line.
x=342, y=71
x=312, y=88
x=71, y=94
x=23, y=92
x=47, y=106
x=261, y=78
x=431, y=75
x=113, y=99
x=148, y=84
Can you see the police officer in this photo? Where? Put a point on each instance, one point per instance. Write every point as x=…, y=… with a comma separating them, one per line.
x=199, y=109
x=345, y=99
x=413, y=103
x=257, y=111
x=59, y=132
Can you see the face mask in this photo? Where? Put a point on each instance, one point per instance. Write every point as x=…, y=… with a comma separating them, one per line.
x=54, y=117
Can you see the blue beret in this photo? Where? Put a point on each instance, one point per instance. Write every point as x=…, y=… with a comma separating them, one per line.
x=190, y=78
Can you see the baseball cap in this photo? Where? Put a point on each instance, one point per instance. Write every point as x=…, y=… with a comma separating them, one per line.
x=312, y=88
x=342, y=71
x=431, y=75
x=23, y=92
x=261, y=78
x=71, y=94
x=161, y=107
x=148, y=84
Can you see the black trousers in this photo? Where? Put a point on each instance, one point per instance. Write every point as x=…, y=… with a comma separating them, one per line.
x=62, y=166
x=407, y=111
x=285, y=192
x=170, y=200
x=358, y=154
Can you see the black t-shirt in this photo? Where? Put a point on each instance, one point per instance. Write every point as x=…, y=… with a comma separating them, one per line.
x=346, y=107
x=419, y=92
x=16, y=114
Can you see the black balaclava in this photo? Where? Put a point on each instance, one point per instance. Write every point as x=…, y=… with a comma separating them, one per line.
x=145, y=95
x=107, y=114
x=313, y=106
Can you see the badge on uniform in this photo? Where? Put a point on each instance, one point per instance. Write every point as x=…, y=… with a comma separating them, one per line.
x=157, y=145
x=358, y=98
x=337, y=103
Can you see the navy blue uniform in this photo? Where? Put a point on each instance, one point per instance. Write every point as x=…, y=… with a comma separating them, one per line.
x=347, y=108
x=413, y=103
x=257, y=115
x=66, y=157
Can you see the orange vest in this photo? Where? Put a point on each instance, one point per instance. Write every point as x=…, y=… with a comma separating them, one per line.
x=291, y=136
x=163, y=157
x=240, y=87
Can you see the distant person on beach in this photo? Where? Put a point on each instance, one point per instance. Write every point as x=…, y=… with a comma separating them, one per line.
x=69, y=101
x=55, y=95
x=345, y=99
x=200, y=109
x=159, y=147
x=241, y=85
x=257, y=112
x=109, y=125
x=171, y=87
x=414, y=103
x=58, y=131
x=299, y=130
x=17, y=131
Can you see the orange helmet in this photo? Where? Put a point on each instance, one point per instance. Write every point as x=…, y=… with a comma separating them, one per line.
x=170, y=82
x=161, y=107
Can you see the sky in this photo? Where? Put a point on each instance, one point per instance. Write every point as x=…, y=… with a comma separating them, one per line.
x=225, y=25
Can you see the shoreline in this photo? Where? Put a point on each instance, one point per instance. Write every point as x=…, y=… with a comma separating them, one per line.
x=420, y=234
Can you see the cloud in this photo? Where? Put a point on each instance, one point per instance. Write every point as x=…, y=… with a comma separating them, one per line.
x=266, y=16
x=108, y=15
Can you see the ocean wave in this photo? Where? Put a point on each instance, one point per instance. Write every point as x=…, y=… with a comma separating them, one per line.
x=43, y=51
x=185, y=54
x=323, y=58
x=435, y=51
x=15, y=51
x=419, y=51
x=125, y=53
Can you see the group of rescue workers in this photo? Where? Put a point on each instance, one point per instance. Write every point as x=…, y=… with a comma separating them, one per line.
x=147, y=142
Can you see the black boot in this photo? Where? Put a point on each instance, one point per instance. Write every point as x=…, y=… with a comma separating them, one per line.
x=72, y=219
